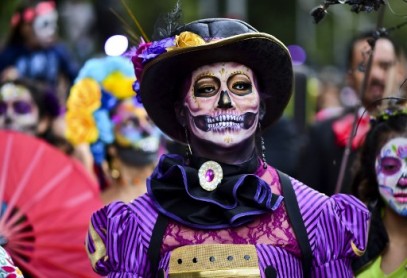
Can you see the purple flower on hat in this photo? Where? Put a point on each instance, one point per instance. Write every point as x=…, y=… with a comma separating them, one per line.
x=136, y=58
x=146, y=52
x=156, y=48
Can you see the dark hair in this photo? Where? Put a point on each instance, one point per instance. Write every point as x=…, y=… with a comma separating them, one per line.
x=15, y=36
x=366, y=35
x=364, y=184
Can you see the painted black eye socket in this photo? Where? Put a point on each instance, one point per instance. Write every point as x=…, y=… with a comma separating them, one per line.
x=206, y=90
x=240, y=84
x=206, y=86
x=132, y=122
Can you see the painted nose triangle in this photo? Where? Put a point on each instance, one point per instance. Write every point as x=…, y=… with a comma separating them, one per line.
x=224, y=100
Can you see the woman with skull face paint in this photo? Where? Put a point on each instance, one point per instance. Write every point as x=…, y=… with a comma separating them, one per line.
x=103, y=113
x=134, y=153
x=21, y=107
x=381, y=182
x=213, y=84
x=33, y=50
x=26, y=106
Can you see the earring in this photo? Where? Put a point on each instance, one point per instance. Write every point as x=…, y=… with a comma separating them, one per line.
x=263, y=149
x=115, y=170
x=263, y=153
x=188, y=151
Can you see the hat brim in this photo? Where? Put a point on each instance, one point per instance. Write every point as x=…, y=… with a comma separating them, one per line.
x=163, y=77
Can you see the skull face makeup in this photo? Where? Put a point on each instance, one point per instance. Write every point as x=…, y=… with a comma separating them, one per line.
x=223, y=104
x=45, y=24
x=133, y=128
x=391, y=171
x=18, y=110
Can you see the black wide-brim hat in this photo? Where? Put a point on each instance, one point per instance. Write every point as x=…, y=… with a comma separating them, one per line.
x=231, y=40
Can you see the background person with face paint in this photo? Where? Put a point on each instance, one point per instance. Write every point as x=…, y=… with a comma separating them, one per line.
x=325, y=141
x=134, y=154
x=25, y=106
x=103, y=113
x=20, y=108
x=33, y=50
x=380, y=181
x=214, y=84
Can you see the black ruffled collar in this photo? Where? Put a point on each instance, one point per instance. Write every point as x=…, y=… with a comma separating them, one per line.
x=240, y=197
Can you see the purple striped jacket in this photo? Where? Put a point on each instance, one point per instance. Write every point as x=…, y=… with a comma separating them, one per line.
x=119, y=236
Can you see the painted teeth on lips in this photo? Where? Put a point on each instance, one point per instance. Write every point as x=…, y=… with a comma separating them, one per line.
x=225, y=125
x=225, y=118
x=225, y=122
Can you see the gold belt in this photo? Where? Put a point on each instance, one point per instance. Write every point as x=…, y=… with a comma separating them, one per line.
x=214, y=260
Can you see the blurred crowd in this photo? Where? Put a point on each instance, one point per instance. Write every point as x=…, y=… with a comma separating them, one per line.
x=81, y=101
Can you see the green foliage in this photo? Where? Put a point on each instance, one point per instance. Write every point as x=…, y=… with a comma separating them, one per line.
x=6, y=11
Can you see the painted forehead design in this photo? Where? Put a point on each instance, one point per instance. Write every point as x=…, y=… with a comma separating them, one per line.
x=220, y=69
x=395, y=147
x=128, y=109
x=11, y=91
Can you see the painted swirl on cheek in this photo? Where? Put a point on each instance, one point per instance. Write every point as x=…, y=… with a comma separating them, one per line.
x=225, y=122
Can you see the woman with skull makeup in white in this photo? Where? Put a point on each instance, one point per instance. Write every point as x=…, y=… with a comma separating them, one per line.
x=381, y=182
x=221, y=111
x=221, y=210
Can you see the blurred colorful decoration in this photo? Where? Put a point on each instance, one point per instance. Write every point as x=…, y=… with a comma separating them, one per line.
x=357, y=6
x=101, y=83
x=298, y=54
x=46, y=201
x=116, y=45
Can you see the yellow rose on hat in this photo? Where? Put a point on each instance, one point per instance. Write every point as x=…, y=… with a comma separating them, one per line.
x=188, y=39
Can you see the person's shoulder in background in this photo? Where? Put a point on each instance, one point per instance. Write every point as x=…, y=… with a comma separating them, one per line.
x=282, y=145
x=320, y=155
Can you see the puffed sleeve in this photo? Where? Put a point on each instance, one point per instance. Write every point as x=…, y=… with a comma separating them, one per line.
x=341, y=235
x=114, y=242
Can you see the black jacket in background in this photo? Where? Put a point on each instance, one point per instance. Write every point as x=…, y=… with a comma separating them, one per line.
x=282, y=141
x=321, y=158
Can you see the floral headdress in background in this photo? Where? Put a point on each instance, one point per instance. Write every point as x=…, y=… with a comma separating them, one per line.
x=389, y=107
x=100, y=84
